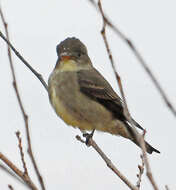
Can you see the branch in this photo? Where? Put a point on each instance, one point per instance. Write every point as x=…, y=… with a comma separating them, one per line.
x=147, y=165
x=25, y=116
x=21, y=152
x=139, y=138
x=108, y=162
x=38, y=75
x=22, y=175
x=139, y=57
x=103, y=32
x=9, y=172
x=141, y=171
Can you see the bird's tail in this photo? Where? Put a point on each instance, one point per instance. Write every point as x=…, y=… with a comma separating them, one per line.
x=149, y=148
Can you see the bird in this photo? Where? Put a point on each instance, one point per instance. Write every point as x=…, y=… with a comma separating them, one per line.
x=83, y=98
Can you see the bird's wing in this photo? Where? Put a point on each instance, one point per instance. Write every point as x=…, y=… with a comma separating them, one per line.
x=95, y=86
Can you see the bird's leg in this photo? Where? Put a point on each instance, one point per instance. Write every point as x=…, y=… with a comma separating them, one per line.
x=88, y=136
x=84, y=132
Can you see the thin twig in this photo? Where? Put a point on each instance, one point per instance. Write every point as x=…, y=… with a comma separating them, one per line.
x=147, y=165
x=25, y=116
x=11, y=173
x=141, y=171
x=108, y=162
x=38, y=75
x=139, y=138
x=21, y=152
x=139, y=57
x=118, y=78
x=21, y=174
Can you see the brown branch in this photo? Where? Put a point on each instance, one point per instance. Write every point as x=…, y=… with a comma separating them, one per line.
x=141, y=171
x=118, y=78
x=9, y=172
x=147, y=165
x=18, y=172
x=38, y=75
x=139, y=57
x=139, y=138
x=25, y=116
x=108, y=162
x=21, y=152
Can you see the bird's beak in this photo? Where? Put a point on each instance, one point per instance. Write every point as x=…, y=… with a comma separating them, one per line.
x=65, y=56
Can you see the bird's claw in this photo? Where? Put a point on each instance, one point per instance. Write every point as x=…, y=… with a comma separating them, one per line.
x=88, y=137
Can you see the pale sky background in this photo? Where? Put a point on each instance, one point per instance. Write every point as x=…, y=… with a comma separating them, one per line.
x=36, y=27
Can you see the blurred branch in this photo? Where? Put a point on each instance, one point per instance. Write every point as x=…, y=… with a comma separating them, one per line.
x=22, y=175
x=25, y=116
x=92, y=143
x=139, y=57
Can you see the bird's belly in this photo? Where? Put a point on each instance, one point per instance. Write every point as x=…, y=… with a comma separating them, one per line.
x=86, y=117
x=69, y=115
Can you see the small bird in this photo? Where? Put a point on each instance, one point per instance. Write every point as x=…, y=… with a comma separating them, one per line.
x=83, y=98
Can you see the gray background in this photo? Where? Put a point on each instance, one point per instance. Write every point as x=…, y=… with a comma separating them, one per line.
x=36, y=27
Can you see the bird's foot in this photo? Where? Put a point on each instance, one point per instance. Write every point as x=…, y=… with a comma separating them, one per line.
x=88, y=137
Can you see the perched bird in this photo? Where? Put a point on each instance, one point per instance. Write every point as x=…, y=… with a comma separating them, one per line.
x=83, y=98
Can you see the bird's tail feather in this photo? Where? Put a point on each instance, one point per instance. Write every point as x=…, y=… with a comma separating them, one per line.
x=149, y=148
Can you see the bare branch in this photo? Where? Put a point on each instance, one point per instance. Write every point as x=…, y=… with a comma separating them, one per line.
x=38, y=75
x=141, y=171
x=147, y=165
x=139, y=57
x=25, y=116
x=118, y=78
x=9, y=172
x=108, y=162
x=139, y=138
x=23, y=176
x=21, y=152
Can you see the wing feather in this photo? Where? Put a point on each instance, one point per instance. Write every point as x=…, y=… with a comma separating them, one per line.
x=96, y=87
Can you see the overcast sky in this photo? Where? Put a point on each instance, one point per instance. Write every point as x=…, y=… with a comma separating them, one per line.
x=36, y=27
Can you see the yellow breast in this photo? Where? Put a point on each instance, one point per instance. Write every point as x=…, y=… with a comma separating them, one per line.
x=63, y=112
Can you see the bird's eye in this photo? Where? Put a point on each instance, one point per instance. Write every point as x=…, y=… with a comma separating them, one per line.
x=79, y=54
